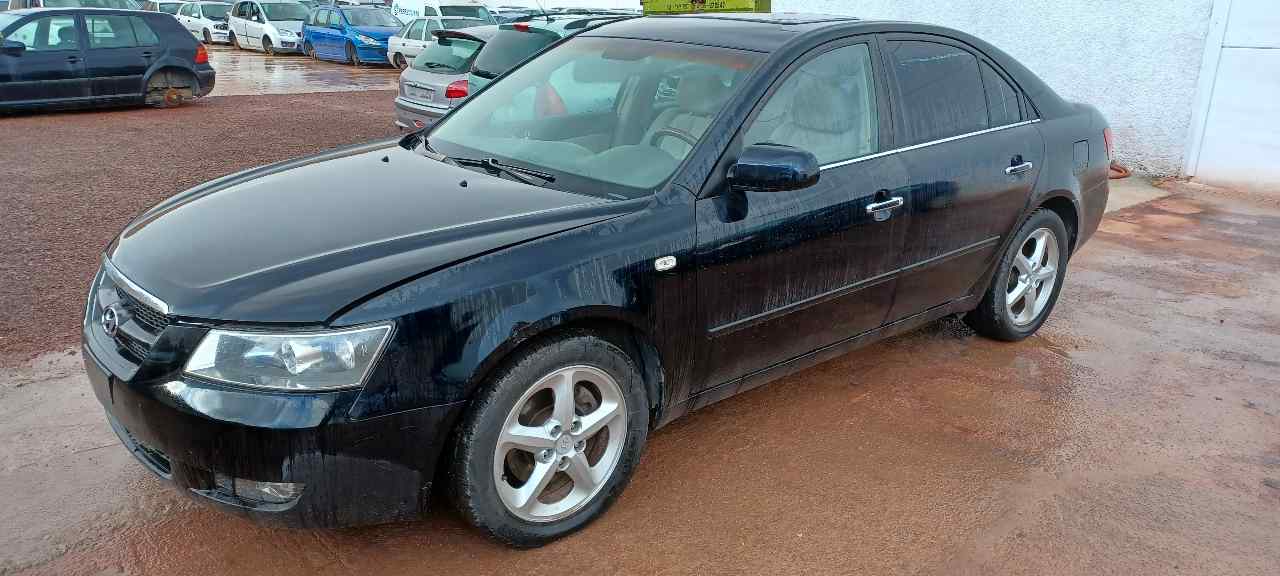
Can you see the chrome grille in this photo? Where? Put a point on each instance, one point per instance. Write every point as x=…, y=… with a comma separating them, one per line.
x=153, y=320
x=140, y=324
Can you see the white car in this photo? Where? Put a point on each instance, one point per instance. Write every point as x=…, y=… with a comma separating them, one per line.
x=271, y=26
x=417, y=35
x=206, y=20
x=409, y=9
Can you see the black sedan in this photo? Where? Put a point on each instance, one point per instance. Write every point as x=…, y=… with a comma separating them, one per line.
x=78, y=57
x=647, y=218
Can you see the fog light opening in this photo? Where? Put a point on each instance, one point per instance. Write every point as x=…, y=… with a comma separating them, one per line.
x=254, y=491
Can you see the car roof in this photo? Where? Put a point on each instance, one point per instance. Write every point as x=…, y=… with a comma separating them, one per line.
x=73, y=10
x=482, y=32
x=762, y=32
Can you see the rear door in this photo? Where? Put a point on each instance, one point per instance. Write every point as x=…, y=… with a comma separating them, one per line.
x=51, y=69
x=253, y=26
x=781, y=274
x=971, y=159
x=121, y=50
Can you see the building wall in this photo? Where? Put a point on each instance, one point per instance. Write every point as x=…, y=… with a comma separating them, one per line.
x=1136, y=60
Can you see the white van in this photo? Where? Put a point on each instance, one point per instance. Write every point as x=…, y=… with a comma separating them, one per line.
x=407, y=10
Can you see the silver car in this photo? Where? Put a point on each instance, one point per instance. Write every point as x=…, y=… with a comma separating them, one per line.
x=436, y=81
x=419, y=32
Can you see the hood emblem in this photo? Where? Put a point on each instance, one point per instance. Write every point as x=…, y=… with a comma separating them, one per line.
x=110, y=321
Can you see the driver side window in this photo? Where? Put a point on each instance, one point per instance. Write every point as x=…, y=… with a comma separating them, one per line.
x=826, y=107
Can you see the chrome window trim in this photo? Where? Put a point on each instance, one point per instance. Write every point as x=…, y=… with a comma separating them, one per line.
x=133, y=289
x=926, y=144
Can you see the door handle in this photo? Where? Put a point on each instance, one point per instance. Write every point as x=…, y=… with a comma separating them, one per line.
x=890, y=204
x=1019, y=169
x=73, y=59
x=146, y=54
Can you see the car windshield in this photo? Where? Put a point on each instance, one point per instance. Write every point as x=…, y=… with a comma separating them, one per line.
x=214, y=11
x=448, y=56
x=510, y=47
x=113, y=4
x=459, y=23
x=371, y=17
x=468, y=11
x=170, y=8
x=280, y=11
x=606, y=116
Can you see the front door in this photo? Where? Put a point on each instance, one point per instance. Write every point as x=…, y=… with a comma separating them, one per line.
x=972, y=161
x=121, y=50
x=50, y=69
x=781, y=274
x=253, y=27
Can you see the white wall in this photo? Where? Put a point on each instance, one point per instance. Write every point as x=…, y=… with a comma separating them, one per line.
x=1239, y=139
x=1136, y=60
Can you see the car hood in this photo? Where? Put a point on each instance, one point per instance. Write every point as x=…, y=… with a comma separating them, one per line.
x=376, y=32
x=294, y=26
x=301, y=241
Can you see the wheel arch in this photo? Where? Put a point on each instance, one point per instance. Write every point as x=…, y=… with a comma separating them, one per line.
x=171, y=69
x=612, y=324
x=1065, y=206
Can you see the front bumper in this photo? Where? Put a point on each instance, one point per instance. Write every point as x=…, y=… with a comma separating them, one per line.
x=412, y=115
x=372, y=54
x=350, y=471
x=289, y=45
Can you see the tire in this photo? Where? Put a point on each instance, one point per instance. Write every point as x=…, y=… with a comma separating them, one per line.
x=235, y=41
x=208, y=38
x=308, y=49
x=267, y=46
x=1005, y=315
x=484, y=484
x=399, y=61
x=352, y=56
x=169, y=89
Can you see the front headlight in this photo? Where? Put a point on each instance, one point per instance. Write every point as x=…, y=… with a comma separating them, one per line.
x=365, y=39
x=285, y=361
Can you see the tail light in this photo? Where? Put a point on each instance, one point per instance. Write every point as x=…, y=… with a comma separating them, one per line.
x=202, y=54
x=1106, y=138
x=521, y=26
x=456, y=89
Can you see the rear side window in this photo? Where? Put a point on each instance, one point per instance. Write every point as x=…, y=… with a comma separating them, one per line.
x=146, y=36
x=1002, y=99
x=937, y=90
x=432, y=26
x=110, y=31
x=508, y=48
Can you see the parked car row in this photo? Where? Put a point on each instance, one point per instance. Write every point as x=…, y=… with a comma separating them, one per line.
x=460, y=62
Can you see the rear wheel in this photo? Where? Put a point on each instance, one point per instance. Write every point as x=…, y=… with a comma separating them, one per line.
x=267, y=47
x=551, y=442
x=1027, y=282
x=170, y=88
x=352, y=56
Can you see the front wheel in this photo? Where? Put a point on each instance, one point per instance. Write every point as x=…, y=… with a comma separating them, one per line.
x=352, y=56
x=267, y=46
x=208, y=38
x=551, y=442
x=1027, y=282
x=399, y=61
x=235, y=41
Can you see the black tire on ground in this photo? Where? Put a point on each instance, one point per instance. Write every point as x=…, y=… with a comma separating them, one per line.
x=991, y=318
x=400, y=61
x=308, y=49
x=352, y=56
x=234, y=40
x=472, y=479
x=267, y=47
x=208, y=38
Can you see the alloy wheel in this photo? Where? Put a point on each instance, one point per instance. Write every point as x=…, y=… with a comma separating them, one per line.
x=1032, y=278
x=560, y=444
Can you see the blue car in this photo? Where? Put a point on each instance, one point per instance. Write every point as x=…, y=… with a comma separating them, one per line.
x=354, y=34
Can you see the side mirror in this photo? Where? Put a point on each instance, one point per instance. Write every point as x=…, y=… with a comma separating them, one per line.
x=774, y=168
x=13, y=48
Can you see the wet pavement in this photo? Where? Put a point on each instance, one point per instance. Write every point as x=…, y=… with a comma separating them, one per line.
x=244, y=72
x=1137, y=433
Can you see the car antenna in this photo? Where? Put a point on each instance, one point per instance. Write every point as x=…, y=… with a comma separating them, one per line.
x=543, y=10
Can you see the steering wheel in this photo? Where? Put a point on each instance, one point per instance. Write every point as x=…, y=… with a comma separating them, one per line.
x=676, y=133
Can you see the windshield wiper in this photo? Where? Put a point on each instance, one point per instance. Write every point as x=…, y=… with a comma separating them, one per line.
x=517, y=172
